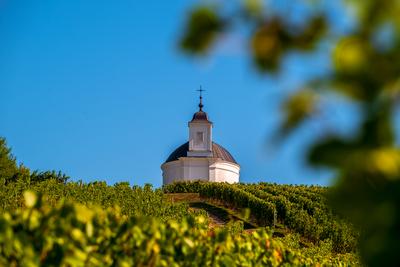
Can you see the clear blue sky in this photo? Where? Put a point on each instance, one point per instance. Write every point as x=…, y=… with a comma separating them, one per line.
x=99, y=90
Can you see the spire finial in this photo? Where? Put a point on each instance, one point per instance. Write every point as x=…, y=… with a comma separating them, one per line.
x=201, y=98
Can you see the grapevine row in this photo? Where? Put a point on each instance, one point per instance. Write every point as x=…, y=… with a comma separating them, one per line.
x=312, y=219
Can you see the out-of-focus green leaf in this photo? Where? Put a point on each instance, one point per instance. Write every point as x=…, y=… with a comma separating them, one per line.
x=350, y=54
x=272, y=39
x=268, y=44
x=298, y=107
x=253, y=8
x=202, y=29
x=331, y=152
x=30, y=199
x=307, y=39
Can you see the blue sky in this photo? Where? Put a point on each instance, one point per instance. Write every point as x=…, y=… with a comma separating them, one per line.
x=100, y=91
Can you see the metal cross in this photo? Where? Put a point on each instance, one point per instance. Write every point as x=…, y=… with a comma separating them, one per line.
x=201, y=98
x=201, y=91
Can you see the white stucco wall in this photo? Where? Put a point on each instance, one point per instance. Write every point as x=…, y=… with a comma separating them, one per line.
x=205, y=169
x=224, y=171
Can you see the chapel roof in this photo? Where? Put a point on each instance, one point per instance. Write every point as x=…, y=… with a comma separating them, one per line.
x=217, y=150
x=200, y=116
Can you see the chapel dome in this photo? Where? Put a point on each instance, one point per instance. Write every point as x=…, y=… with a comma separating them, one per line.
x=217, y=150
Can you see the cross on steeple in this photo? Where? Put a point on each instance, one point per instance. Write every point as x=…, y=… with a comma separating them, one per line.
x=201, y=98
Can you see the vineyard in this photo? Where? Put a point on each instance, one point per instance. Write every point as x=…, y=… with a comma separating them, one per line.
x=300, y=209
x=59, y=223
x=132, y=201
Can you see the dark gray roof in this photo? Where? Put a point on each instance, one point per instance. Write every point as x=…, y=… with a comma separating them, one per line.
x=218, y=152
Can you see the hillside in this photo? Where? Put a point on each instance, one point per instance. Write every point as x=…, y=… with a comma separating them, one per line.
x=285, y=208
x=191, y=224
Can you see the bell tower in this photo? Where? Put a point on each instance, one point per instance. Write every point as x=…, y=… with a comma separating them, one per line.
x=200, y=133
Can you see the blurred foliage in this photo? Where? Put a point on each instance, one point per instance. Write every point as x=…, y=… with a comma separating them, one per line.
x=324, y=250
x=365, y=68
x=202, y=30
x=272, y=38
x=297, y=108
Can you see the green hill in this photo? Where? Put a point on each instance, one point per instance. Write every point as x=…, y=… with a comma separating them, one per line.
x=56, y=223
x=285, y=208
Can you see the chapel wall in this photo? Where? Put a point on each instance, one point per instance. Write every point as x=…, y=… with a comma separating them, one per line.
x=186, y=169
x=225, y=172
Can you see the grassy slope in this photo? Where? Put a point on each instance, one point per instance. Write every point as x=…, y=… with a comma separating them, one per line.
x=219, y=213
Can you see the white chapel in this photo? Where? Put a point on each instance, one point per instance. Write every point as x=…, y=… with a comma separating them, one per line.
x=200, y=158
